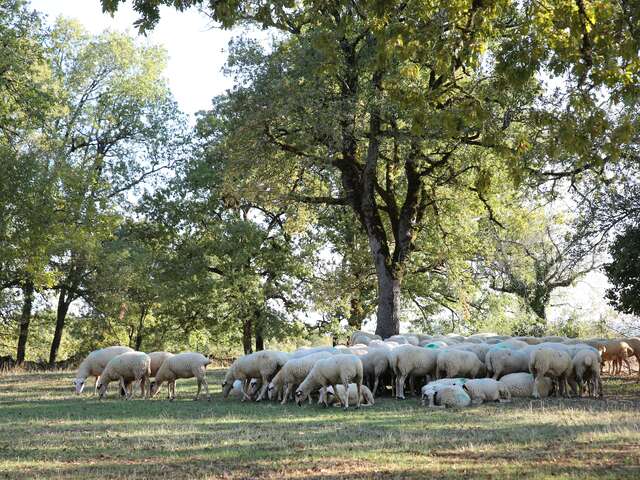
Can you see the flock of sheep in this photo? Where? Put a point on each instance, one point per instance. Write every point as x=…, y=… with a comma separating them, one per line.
x=448, y=370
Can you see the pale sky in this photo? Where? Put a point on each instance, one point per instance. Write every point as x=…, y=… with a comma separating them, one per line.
x=196, y=51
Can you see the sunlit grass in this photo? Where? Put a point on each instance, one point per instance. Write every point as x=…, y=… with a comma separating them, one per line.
x=48, y=432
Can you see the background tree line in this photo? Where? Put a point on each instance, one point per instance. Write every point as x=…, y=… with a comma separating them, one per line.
x=448, y=165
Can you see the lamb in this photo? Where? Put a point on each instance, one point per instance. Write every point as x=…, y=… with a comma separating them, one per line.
x=94, y=364
x=486, y=390
x=182, y=365
x=342, y=369
x=366, y=396
x=452, y=396
x=430, y=389
x=157, y=359
x=409, y=360
x=459, y=363
x=520, y=385
x=550, y=362
x=263, y=365
x=292, y=374
x=501, y=361
x=126, y=367
x=586, y=366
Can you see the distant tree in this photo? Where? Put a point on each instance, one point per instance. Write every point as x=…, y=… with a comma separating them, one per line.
x=624, y=271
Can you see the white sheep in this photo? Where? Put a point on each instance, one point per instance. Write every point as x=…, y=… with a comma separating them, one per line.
x=331, y=371
x=502, y=361
x=480, y=349
x=126, y=368
x=292, y=374
x=452, y=396
x=586, y=367
x=157, y=359
x=328, y=396
x=486, y=390
x=182, y=365
x=263, y=365
x=375, y=364
x=521, y=384
x=363, y=337
x=429, y=390
x=94, y=363
x=411, y=361
x=550, y=362
x=458, y=363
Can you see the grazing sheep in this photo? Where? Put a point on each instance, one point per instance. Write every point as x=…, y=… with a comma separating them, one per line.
x=521, y=385
x=429, y=390
x=326, y=372
x=157, y=359
x=182, y=365
x=452, y=396
x=529, y=340
x=616, y=352
x=502, y=361
x=459, y=363
x=292, y=374
x=328, y=396
x=586, y=367
x=634, y=343
x=263, y=365
x=486, y=390
x=304, y=351
x=94, y=364
x=363, y=337
x=398, y=339
x=411, y=361
x=480, y=349
x=375, y=364
x=550, y=362
x=125, y=368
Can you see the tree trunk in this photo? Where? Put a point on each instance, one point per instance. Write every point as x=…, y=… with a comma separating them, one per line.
x=139, y=334
x=25, y=320
x=388, y=316
x=258, y=327
x=61, y=315
x=247, y=336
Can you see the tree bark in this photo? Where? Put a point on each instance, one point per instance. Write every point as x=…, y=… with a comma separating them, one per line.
x=61, y=314
x=388, y=315
x=247, y=336
x=140, y=333
x=25, y=319
x=258, y=328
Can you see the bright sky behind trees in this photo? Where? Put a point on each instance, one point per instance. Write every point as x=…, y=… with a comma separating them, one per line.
x=197, y=52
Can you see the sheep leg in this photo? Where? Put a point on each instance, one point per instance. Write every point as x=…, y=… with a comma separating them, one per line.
x=626, y=360
x=143, y=386
x=245, y=386
x=375, y=386
x=400, y=387
x=123, y=386
x=345, y=404
x=287, y=392
x=536, y=382
x=263, y=390
x=199, y=387
x=359, y=387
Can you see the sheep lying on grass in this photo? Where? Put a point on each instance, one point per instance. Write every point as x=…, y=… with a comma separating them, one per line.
x=339, y=369
x=182, y=365
x=520, y=385
x=329, y=397
x=430, y=389
x=125, y=368
x=486, y=390
x=94, y=364
x=452, y=396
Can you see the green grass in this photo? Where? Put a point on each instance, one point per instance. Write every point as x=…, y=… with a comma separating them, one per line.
x=47, y=432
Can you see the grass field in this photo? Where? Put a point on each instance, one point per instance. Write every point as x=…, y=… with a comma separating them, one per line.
x=47, y=432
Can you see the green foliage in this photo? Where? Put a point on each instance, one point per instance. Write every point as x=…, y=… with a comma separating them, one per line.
x=624, y=271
